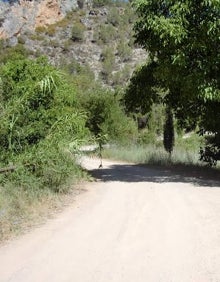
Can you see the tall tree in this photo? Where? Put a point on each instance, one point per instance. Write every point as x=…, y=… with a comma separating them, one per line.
x=168, y=133
x=183, y=40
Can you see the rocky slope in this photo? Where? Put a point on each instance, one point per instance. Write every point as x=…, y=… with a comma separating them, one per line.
x=70, y=32
x=19, y=16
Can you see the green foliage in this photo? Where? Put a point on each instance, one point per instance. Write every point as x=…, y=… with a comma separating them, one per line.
x=39, y=115
x=141, y=92
x=77, y=33
x=146, y=137
x=106, y=34
x=156, y=119
x=40, y=121
x=7, y=53
x=27, y=93
x=101, y=3
x=185, y=151
x=113, y=16
x=49, y=30
x=121, y=77
x=108, y=62
x=37, y=36
x=124, y=51
x=81, y=76
x=106, y=117
x=128, y=16
x=181, y=39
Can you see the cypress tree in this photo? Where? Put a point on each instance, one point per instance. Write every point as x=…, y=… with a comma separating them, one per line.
x=168, y=132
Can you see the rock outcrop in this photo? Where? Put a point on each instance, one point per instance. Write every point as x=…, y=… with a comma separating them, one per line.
x=98, y=39
x=26, y=15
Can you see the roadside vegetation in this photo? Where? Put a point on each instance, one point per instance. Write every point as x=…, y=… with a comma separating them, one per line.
x=153, y=153
x=182, y=71
x=46, y=115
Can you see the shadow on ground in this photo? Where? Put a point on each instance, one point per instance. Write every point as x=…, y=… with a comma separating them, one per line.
x=143, y=173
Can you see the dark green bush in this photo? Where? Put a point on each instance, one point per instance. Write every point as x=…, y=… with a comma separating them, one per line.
x=107, y=33
x=106, y=116
x=78, y=32
x=101, y=3
x=40, y=118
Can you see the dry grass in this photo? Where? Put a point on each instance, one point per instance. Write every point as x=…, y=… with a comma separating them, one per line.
x=22, y=210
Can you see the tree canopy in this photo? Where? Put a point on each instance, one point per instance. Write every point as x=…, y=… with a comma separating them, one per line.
x=182, y=39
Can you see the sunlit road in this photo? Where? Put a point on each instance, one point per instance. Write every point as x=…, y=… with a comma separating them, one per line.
x=132, y=225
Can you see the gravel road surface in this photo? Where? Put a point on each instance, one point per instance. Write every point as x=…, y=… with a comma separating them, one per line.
x=134, y=224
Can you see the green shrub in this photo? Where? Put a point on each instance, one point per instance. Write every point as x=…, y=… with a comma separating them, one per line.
x=54, y=43
x=17, y=51
x=51, y=30
x=40, y=122
x=101, y=3
x=21, y=40
x=121, y=77
x=41, y=29
x=108, y=63
x=124, y=51
x=146, y=137
x=37, y=36
x=67, y=44
x=35, y=99
x=105, y=116
x=77, y=33
x=113, y=16
x=107, y=33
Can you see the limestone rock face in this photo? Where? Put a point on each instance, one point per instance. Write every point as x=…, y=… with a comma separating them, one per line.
x=49, y=12
x=25, y=15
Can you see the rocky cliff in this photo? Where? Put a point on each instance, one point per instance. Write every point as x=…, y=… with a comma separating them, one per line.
x=70, y=33
x=19, y=16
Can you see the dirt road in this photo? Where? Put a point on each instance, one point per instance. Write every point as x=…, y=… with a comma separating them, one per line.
x=136, y=225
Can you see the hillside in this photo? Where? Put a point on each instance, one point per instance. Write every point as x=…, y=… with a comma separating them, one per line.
x=97, y=37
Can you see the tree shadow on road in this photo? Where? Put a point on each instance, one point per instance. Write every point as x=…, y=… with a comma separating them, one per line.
x=143, y=173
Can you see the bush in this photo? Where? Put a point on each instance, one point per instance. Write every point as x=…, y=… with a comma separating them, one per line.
x=108, y=63
x=101, y=3
x=105, y=116
x=124, y=51
x=113, y=16
x=121, y=77
x=51, y=30
x=36, y=105
x=40, y=122
x=17, y=51
x=106, y=34
x=77, y=34
x=40, y=29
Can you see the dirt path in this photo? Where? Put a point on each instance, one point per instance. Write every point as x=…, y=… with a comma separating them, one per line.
x=136, y=225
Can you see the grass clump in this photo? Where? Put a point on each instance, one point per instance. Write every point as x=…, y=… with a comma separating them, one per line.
x=77, y=33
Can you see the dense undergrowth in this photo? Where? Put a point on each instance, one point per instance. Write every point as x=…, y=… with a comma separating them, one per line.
x=46, y=115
